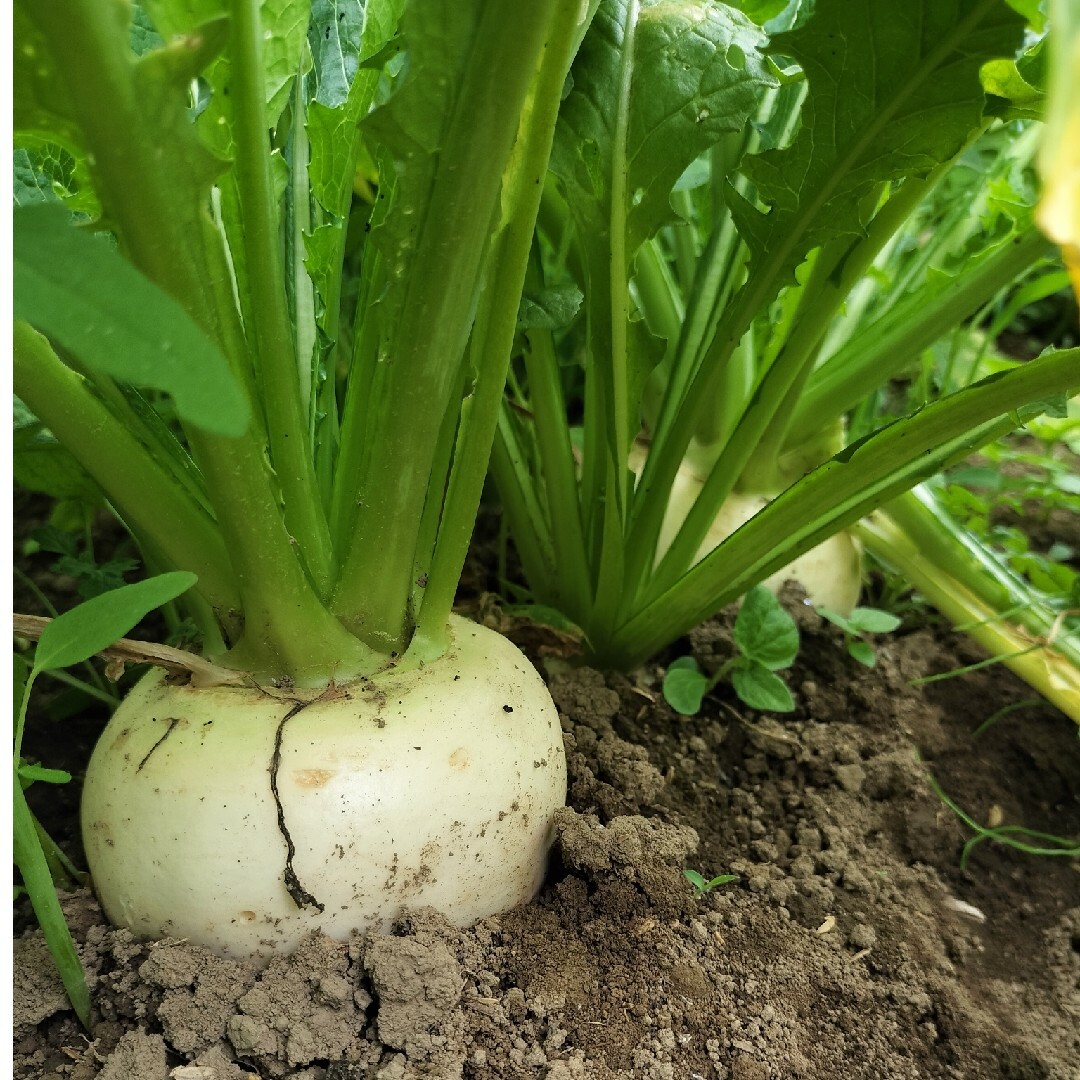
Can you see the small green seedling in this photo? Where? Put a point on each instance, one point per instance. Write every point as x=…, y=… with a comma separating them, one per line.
x=768, y=641
x=701, y=886
x=67, y=640
x=862, y=620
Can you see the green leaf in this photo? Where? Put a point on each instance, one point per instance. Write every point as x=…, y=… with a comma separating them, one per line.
x=759, y=688
x=894, y=90
x=334, y=37
x=142, y=34
x=41, y=464
x=837, y=619
x=765, y=632
x=87, y=629
x=685, y=686
x=655, y=85
x=1012, y=97
x=862, y=651
x=873, y=620
x=33, y=773
x=338, y=105
x=86, y=296
x=761, y=11
x=32, y=864
x=549, y=309
x=695, y=879
x=286, y=30
x=47, y=172
x=41, y=103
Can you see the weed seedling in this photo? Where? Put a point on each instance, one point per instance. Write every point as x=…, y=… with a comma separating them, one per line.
x=1018, y=837
x=68, y=640
x=861, y=621
x=768, y=641
x=703, y=886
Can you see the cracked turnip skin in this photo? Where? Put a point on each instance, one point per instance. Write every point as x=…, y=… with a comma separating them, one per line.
x=241, y=818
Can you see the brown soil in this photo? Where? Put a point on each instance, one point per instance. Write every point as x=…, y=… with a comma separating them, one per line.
x=853, y=945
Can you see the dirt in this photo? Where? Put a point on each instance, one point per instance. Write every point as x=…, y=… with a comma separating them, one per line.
x=852, y=945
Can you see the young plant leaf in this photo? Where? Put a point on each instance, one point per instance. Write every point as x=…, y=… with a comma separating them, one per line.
x=702, y=886
x=862, y=651
x=759, y=688
x=29, y=774
x=81, y=292
x=845, y=624
x=550, y=309
x=696, y=879
x=765, y=632
x=874, y=621
x=685, y=686
x=94, y=625
x=37, y=878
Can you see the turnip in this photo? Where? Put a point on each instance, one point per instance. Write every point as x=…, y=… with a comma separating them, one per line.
x=242, y=817
x=291, y=392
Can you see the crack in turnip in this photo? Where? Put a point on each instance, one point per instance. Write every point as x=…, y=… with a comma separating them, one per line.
x=301, y=897
x=173, y=721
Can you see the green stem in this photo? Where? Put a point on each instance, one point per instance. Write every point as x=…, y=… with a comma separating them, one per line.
x=856, y=481
x=283, y=389
x=375, y=586
x=888, y=346
x=354, y=447
x=144, y=494
x=558, y=471
x=758, y=436
x=496, y=324
x=84, y=687
x=61, y=868
x=517, y=493
x=164, y=226
x=976, y=592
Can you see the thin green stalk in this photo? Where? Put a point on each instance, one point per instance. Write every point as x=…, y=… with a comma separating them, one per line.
x=354, y=446
x=559, y=479
x=757, y=442
x=683, y=239
x=284, y=390
x=517, y=492
x=838, y=493
x=84, y=687
x=891, y=344
x=759, y=414
x=145, y=496
x=657, y=294
x=64, y=873
x=1005, y=834
x=839, y=268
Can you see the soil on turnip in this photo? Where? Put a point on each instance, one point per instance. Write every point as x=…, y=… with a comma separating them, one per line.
x=852, y=945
